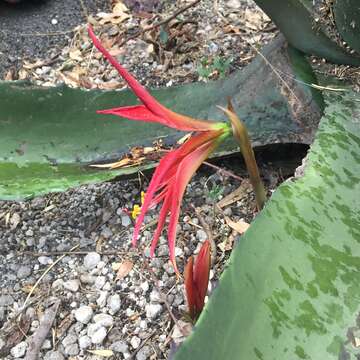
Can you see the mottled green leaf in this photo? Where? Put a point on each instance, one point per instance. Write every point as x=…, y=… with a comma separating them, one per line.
x=291, y=289
x=296, y=21
x=49, y=136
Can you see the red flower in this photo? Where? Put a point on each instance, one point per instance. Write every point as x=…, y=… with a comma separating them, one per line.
x=176, y=168
x=197, y=279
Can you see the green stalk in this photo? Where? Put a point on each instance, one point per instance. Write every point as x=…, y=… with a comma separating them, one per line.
x=242, y=136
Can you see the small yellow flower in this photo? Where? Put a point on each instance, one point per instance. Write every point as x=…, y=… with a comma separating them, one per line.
x=135, y=211
x=142, y=197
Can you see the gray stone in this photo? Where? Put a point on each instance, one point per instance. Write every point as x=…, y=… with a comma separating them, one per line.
x=69, y=339
x=87, y=279
x=100, y=282
x=153, y=310
x=6, y=300
x=45, y=260
x=135, y=342
x=72, y=350
x=83, y=314
x=84, y=342
x=23, y=272
x=155, y=296
x=201, y=235
x=54, y=355
x=46, y=345
x=104, y=320
x=19, y=350
x=125, y=220
x=91, y=260
x=120, y=347
x=144, y=353
x=58, y=284
x=114, y=304
x=97, y=333
x=72, y=285
x=29, y=233
x=101, y=300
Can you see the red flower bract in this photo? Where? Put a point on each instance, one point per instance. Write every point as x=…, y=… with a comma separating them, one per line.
x=197, y=279
x=176, y=168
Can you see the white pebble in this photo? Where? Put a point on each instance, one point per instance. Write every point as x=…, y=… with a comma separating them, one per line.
x=104, y=320
x=84, y=314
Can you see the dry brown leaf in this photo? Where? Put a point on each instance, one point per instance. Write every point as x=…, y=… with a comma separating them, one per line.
x=124, y=269
x=121, y=163
x=30, y=66
x=64, y=326
x=101, y=352
x=9, y=76
x=120, y=8
x=23, y=74
x=114, y=19
x=14, y=337
x=110, y=85
x=240, y=226
x=236, y=195
x=75, y=54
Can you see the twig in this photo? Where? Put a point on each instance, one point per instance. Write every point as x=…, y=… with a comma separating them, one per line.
x=210, y=237
x=162, y=22
x=38, y=338
x=225, y=172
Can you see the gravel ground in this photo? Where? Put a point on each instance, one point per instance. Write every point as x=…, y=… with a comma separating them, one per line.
x=112, y=296
x=23, y=28
x=74, y=247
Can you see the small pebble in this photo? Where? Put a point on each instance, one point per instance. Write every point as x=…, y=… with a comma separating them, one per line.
x=84, y=314
x=91, y=260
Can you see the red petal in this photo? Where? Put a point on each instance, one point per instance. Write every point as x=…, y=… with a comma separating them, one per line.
x=189, y=287
x=160, y=173
x=137, y=112
x=161, y=222
x=172, y=119
x=201, y=274
x=185, y=171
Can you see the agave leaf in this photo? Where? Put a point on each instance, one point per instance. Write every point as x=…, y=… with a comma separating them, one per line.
x=291, y=289
x=296, y=21
x=347, y=18
x=50, y=136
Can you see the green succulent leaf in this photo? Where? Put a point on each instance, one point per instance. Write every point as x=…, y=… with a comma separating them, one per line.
x=49, y=136
x=296, y=21
x=291, y=289
x=347, y=18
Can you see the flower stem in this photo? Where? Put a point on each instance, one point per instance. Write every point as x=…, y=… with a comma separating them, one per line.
x=242, y=136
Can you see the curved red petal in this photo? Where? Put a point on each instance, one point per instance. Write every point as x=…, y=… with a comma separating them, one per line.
x=201, y=274
x=137, y=112
x=161, y=222
x=189, y=287
x=172, y=119
x=186, y=170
